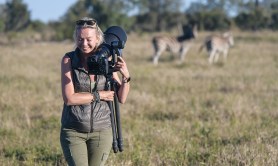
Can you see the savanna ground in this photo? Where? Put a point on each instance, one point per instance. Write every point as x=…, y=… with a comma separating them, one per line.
x=176, y=114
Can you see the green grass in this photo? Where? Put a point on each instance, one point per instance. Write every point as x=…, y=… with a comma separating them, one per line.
x=176, y=114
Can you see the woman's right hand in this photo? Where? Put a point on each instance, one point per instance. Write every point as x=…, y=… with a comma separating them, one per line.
x=106, y=95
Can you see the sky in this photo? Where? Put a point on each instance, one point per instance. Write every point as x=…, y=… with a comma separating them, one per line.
x=47, y=10
x=52, y=10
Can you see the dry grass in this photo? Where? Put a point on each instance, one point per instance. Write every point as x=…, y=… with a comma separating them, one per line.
x=176, y=114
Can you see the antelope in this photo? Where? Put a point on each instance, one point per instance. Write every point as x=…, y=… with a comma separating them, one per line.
x=217, y=45
x=176, y=45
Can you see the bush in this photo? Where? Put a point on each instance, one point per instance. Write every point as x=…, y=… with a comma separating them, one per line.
x=252, y=21
x=211, y=20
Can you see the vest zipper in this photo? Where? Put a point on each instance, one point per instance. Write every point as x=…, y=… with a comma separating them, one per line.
x=92, y=110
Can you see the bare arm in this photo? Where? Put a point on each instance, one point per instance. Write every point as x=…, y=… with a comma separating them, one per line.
x=124, y=87
x=69, y=96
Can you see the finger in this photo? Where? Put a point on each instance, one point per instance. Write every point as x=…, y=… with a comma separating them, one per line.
x=119, y=65
x=119, y=62
x=121, y=59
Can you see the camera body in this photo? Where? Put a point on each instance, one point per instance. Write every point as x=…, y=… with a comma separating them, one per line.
x=103, y=60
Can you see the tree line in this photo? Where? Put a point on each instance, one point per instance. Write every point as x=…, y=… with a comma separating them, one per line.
x=146, y=16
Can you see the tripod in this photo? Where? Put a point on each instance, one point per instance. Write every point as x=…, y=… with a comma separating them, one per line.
x=117, y=142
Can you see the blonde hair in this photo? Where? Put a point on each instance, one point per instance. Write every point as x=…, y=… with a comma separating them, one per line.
x=84, y=24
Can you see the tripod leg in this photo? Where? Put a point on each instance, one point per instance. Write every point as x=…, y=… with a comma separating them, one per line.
x=118, y=123
x=114, y=132
x=115, y=117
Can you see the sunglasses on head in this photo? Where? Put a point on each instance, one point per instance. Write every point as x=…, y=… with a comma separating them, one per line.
x=86, y=22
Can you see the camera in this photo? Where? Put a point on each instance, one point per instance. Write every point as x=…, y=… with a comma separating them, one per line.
x=103, y=60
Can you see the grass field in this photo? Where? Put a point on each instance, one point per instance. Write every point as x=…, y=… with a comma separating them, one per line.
x=176, y=114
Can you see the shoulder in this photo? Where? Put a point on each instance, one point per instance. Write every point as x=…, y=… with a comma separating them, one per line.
x=69, y=54
x=67, y=57
x=72, y=58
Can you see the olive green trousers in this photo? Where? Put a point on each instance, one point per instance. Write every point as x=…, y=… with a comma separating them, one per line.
x=86, y=149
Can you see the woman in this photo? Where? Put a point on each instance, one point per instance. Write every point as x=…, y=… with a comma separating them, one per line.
x=86, y=134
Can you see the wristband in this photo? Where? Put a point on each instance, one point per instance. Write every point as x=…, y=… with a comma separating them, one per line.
x=126, y=80
x=96, y=96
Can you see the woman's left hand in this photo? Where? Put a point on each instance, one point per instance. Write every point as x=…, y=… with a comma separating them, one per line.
x=122, y=67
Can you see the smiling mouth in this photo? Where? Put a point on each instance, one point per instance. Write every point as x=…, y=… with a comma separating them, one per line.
x=85, y=48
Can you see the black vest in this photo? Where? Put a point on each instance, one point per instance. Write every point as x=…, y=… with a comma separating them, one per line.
x=94, y=116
